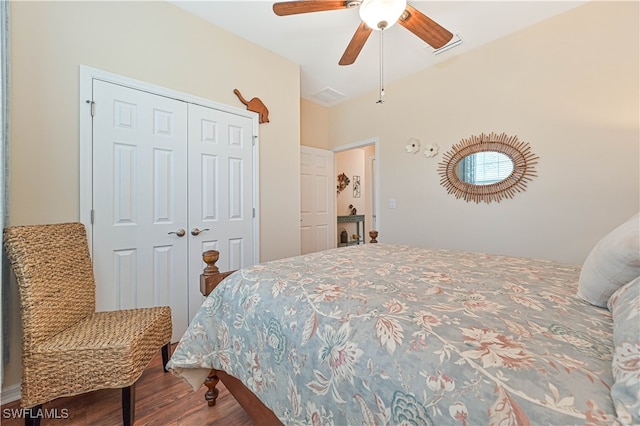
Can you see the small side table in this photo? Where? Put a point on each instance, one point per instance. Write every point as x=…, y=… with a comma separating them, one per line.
x=358, y=219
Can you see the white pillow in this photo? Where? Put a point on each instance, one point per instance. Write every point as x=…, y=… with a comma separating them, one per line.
x=612, y=263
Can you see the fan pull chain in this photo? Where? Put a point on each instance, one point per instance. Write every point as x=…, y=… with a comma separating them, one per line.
x=381, y=99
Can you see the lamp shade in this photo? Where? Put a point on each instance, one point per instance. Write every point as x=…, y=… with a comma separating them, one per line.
x=381, y=14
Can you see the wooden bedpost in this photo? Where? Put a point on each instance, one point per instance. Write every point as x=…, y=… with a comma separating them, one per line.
x=209, y=279
x=212, y=394
x=373, y=235
x=211, y=276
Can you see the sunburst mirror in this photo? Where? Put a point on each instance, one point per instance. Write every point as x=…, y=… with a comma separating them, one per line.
x=487, y=167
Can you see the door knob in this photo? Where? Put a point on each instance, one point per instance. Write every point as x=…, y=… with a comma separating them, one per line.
x=196, y=231
x=180, y=232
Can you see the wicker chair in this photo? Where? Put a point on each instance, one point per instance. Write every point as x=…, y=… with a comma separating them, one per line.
x=67, y=347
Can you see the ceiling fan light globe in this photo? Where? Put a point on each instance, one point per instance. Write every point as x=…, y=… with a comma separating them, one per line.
x=381, y=14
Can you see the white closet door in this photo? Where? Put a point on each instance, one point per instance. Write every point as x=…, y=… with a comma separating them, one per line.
x=220, y=191
x=317, y=200
x=140, y=201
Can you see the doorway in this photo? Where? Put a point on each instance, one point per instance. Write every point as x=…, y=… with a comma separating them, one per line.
x=358, y=162
x=321, y=206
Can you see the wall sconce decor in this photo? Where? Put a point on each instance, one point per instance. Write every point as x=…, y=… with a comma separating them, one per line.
x=412, y=146
x=343, y=181
x=431, y=150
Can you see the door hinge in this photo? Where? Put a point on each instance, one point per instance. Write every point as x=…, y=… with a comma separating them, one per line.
x=93, y=108
x=93, y=216
x=254, y=212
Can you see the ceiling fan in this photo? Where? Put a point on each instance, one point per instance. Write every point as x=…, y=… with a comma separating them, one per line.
x=375, y=15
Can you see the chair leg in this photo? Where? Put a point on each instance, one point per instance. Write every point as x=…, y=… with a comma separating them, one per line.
x=30, y=420
x=128, y=405
x=165, y=356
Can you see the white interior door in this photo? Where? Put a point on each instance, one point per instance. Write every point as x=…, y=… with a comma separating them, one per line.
x=221, y=208
x=317, y=200
x=140, y=201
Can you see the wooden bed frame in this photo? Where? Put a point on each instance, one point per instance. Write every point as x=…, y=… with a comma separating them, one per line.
x=259, y=413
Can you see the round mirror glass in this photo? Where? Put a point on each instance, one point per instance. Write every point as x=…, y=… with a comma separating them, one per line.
x=484, y=168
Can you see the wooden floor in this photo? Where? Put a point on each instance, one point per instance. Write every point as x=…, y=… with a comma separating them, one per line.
x=161, y=399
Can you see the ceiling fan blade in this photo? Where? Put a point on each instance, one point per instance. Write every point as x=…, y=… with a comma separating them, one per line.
x=356, y=44
x=306, y=6
x=424, y=27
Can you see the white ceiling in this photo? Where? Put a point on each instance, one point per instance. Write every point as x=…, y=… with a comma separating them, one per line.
x=316, y=41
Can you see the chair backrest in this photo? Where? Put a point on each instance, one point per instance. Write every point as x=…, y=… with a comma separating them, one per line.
x=55, y=278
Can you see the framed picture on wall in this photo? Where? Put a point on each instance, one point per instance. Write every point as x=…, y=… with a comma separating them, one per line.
x=356, y=187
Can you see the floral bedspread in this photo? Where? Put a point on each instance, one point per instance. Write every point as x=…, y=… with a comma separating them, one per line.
x=391, y=334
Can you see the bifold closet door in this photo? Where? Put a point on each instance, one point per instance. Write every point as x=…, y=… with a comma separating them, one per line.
x=170, y=180
x=140, y=223
x=221, y=210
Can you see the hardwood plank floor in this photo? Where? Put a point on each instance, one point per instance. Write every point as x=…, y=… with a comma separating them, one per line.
x=161, y=399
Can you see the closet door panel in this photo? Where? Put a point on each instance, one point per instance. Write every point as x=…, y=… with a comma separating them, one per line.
x=220, y=190
x=140, y=201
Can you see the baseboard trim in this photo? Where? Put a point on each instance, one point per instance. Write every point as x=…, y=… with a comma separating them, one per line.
x=10, y=394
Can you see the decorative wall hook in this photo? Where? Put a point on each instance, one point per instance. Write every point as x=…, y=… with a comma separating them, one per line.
x=431, y=150
x=255, y=105
x=412, y=146
x=343, y=181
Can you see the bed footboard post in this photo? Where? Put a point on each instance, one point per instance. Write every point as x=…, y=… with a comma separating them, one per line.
x=211, y=276
x=209, y=279
x=212, y=394
x=373, y=235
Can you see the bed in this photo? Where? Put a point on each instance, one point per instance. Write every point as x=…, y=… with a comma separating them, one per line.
x=393, y=334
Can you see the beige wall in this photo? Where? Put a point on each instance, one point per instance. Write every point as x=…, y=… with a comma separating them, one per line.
x=158, y=43
x=569, y=86
x=314, y=125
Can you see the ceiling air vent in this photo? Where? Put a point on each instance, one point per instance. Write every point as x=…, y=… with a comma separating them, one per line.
x=328, y=95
